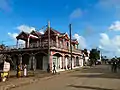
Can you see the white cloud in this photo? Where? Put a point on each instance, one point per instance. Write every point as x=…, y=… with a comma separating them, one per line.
x=25, y=28
x=115, y=26
x=41, y=31
x=108, y=3
x=13, y=36
x=81, y=40
x=76, y=13
x=104, y=39
x=110, y=6
x=110, y=45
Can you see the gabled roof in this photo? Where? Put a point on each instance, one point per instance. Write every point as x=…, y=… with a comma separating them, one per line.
x=74, y=41
x=36, y=33
x=53, y=30
x=62, y=33
x=23, y=35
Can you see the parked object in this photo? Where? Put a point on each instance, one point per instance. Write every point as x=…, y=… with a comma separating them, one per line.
x=19, y=71
x=4, y=74
x=98, y=63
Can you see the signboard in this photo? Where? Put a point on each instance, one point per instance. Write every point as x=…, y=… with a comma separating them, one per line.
x=6, y=67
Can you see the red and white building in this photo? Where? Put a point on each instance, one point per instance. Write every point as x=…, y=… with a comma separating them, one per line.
x=35, y=51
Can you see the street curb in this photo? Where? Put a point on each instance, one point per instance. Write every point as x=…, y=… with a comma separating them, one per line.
x=34, y=80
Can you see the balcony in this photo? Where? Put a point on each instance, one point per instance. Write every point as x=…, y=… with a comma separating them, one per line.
x=42, y=45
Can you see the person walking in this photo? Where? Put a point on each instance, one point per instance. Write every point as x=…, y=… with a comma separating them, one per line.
x=114, y=65
x=54, y=68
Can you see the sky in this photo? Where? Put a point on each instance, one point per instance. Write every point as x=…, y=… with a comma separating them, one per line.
x=95, y=23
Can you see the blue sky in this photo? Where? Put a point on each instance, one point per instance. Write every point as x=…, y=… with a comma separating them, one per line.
x=92, y=20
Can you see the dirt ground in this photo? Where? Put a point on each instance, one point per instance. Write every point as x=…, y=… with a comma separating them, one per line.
x=95, y=78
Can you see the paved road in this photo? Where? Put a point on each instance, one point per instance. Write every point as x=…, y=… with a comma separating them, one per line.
x=97, y=78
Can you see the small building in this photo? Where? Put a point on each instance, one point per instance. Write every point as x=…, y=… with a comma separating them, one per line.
x=34, y=53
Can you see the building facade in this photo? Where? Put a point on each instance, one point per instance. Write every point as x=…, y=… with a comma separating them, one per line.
x=34, y=53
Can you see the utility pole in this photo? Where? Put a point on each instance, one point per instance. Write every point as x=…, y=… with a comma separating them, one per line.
x=48, y=46
x=70, y=45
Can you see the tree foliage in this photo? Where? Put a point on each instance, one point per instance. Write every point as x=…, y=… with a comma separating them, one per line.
x=85, y=52
x=2, y=57
x=94, y=55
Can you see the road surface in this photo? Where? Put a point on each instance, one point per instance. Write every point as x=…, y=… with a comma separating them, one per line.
x=96, y=78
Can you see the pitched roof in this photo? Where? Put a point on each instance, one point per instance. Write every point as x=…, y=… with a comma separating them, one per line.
x=36, y=32
x=74, y=39
x=23, y=35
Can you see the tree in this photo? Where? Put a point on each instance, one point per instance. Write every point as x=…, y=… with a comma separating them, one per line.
x=85, y=52
x=2, y=57
x=94, y=56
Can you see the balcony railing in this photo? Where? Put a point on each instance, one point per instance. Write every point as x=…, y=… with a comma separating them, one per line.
x=41, y=45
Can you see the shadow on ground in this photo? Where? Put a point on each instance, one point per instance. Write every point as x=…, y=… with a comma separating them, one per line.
x=88, y=87
x=97, y=72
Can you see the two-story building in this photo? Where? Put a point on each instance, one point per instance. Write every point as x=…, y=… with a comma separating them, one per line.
x=35, y=51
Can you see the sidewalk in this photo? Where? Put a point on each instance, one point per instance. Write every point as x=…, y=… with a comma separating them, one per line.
x=17, y=82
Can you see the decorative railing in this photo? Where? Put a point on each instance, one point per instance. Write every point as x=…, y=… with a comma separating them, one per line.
x=40, y=45
x=15, y=47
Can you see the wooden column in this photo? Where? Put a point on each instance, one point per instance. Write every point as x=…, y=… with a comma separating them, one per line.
x=28, y=42
x=40, y=41
x=57, y=41
x=77, y=46
x=20, y=61
x=50, y=62
x=33, y=62
x=75, y=62
x=17, y=44
x=62, y=62
x=64, y=44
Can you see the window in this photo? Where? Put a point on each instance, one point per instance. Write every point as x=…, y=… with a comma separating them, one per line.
x=67, y=45
x=61, y=44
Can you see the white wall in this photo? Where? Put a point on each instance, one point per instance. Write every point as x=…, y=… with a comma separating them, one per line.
x=45, y=63
x=73, y=60
x=60, y=60
x=81, y=62
x=66, y=62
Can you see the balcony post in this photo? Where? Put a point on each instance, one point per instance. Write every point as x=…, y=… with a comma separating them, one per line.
x=64, y=43
x=17, y=43
x=28, y=41
x=77, y=46
x=39, y=41
x=57, y=41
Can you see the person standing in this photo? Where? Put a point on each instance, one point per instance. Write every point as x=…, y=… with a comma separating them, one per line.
x=25, y=70
x=48, y=69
